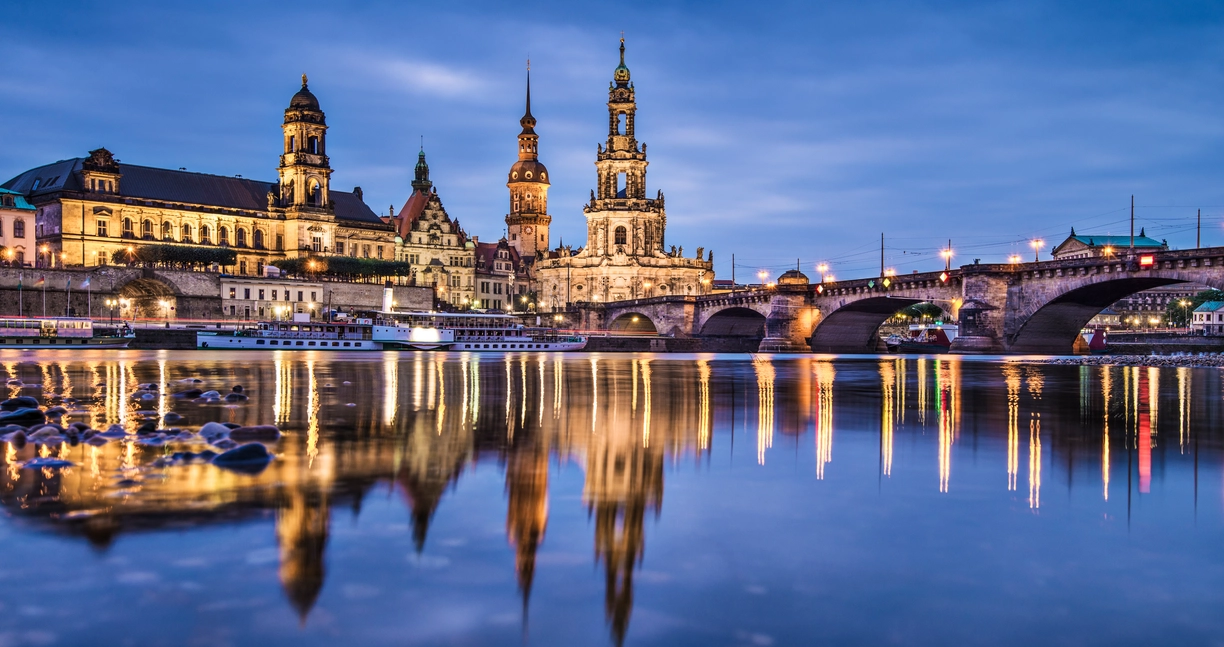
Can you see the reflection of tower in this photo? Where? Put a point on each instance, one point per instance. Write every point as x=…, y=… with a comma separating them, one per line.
x=432, y=461
x=301, y=534
x=624, y=479
x=527, y=511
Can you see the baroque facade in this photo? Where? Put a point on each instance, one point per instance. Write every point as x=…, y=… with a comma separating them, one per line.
x=625, y=256
x=92, y=209
x=16, y=229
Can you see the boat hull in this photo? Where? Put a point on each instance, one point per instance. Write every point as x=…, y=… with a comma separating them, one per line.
x=73, y=343
x=213, y=341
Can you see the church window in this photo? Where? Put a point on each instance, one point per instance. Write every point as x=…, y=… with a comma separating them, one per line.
x=258, y=239
x=186, y=233
x=102, y=227
x=223, y=235
x=312, y=145
x=292, y=144
x=167, y=231
x=621, y=235
x=240, y=238
x=621, y=186
x=513, y=236
x=314, y=194
x=620, y=123
x=146, y=229
x=204, y=234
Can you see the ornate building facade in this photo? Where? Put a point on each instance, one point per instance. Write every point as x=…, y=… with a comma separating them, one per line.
x=441, y=253
x=91, y=209
x=625, y=256
x=528, y=220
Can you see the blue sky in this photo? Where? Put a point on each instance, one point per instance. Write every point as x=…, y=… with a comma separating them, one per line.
x=778, y=131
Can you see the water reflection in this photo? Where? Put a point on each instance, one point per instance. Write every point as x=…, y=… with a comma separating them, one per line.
x=416, y=423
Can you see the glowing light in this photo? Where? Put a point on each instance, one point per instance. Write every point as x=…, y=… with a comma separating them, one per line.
x=1147, y=260
x=1036, y=244
x=1013, y=259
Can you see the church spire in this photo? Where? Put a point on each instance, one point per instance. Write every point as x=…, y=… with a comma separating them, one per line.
x=621, y=74
x=528, y=122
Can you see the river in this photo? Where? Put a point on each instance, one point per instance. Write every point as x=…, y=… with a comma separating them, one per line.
x=450, y=499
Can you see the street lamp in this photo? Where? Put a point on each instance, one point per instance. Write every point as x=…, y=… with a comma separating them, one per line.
x=111, y=303
x=947, y=256
x=1014, y=259
x=763, y=275
x=822, y=268
x=1108, y=250
x=1186, y=312
x=1036, y=244
x=166, y=310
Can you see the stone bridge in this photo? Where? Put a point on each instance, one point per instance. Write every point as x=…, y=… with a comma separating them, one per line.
x=1006, y=308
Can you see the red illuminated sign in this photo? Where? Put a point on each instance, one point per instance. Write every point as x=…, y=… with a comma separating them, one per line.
x=1147, y=260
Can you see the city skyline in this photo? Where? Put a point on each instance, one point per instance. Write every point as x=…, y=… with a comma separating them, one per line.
x=838, y=125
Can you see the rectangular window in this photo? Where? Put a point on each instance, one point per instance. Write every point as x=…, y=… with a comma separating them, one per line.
x=339, y=247
x=273, y=295
x=365, y=251
x=380, y=251
x=233, y=292
x=102, y=227
x=19, y=228
x=312, y=296
x=246, y=293
x=299, y=295
x=261, y=295
x=280, y=242
x=317, y=243
x=103, y=258
x=242, y=267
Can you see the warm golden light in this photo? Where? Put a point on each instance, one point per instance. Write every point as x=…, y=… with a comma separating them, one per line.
x=1013, y=259
x=1036, y=244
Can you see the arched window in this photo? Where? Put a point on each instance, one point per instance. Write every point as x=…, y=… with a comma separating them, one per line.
x=258, y=239
x=291, y=145
x=314, y=195
x=204, y=238
x=240, y=237
x=127, y=228
x=223, y=235
x=186, y=233
x=19, y=228
x=146, y=229
x=621, y=235
x=167, y=231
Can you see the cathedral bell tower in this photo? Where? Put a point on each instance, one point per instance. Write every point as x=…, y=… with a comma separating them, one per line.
x=528, y=220
x=305, y=173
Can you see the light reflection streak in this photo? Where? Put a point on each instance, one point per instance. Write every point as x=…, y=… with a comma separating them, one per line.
x=1107, y=389
x=765, y=405
x=558, y=371
x=646, y=403
x=1011, y=376
x=921, y=367
x=824, y=415
x=1183, y=407
x=390, y=389
x=440, y=364
x=162, y=409
x=888, y=378
x=1035, y=461
x=946, y=377
x=703, y=404
x=594, y=393
x=312, y=414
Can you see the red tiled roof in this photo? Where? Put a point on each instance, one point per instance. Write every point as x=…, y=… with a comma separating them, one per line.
x=411, y=210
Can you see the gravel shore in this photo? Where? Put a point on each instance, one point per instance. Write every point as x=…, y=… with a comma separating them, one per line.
x=1196, y=361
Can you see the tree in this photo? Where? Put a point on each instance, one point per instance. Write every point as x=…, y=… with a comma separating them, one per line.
x=1181, y=315
x=922, y=311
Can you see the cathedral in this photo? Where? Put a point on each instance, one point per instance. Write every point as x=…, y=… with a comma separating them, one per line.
x=626, y=256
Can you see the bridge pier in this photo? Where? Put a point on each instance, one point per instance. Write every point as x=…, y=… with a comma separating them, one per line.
x=790, y=316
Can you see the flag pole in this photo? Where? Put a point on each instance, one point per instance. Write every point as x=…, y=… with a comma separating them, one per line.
x=44, y=287
x=20, y=296
x=68, y=297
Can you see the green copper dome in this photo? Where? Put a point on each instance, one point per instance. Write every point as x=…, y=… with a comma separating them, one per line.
x=621, y=74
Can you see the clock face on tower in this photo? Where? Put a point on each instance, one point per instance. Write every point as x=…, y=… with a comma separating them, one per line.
x=526, y=230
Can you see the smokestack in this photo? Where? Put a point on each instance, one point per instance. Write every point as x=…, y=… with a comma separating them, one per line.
x=388, y=293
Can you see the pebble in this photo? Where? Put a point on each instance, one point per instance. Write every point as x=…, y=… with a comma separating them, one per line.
x=189, y=394
x=22, y=402
x=351, y=404
x=249, y=459
x=24, y=417
x=262, y=433
x=172, y=417
x=213, y=431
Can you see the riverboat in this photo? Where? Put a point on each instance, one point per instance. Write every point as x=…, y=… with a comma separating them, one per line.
x=470, y=332
x=58, y=332
x=923, y=339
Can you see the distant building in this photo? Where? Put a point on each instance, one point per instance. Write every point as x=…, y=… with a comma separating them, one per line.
x=89, y=209
x=16, y=229
x=1209, y=318
x=1156, y=301
x=1106, y=318
x=502, y=278
x=1077, y=246
x=625, y=256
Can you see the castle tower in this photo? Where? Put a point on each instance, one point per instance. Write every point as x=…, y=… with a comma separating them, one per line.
x=528, y=220
x=305, y=173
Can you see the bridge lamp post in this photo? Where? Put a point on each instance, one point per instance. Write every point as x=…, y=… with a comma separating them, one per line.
x=822, y=268
x=1036, y=244
x=947, y=256
x=1108, y=251
x=1186, y=312
x=764, y=276
x=1014, y=259
x=111, y=303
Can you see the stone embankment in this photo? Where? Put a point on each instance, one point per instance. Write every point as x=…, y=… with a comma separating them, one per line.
x=1160, y=361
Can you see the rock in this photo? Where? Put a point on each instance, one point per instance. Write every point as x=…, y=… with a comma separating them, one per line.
x=235, y=397
x=224, y=443
x=351, y=404
x=237, y=388
x=97, y=441
x=189, y=394
x=23, y=402
x=248, y=459
x=148, y=396
x=213, y=430
x=210, y=394
x=50, y=463
x=346, y=383
x=24, y=417
x=55, y=412
x=8, y=429
x=172, y=418
x=44, y=432
x=16, y=439
x=152, y=441
x=147, y=427
x=213, y=401
x=207, y=455
x=231, y=425
x=79, y=426
x=114, y=431
x=261, y=433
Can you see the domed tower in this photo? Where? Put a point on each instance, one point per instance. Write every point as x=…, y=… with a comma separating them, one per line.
x=305, y=173
x=528, y=220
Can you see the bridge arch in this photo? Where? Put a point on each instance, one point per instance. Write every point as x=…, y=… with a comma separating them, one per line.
x=1051, y=326
x=734, y=322
x=633, y=322
x=147, y=298
x=854, y=327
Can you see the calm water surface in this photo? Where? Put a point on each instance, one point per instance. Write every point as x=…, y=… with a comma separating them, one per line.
x=445, y=499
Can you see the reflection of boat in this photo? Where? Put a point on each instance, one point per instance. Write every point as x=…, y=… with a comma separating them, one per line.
x=396, y=330
x=58, y=332
x=923, y=338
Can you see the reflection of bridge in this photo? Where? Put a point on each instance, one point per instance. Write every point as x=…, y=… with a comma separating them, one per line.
x=1015, y=308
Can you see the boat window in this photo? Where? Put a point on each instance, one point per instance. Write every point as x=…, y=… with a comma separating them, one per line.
x=311, y=344
x=259, y=342
x=331, y=329
x=293, y=327
x=299, y=343
x=274, y=342
x=347, y=344
x=358, y=344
